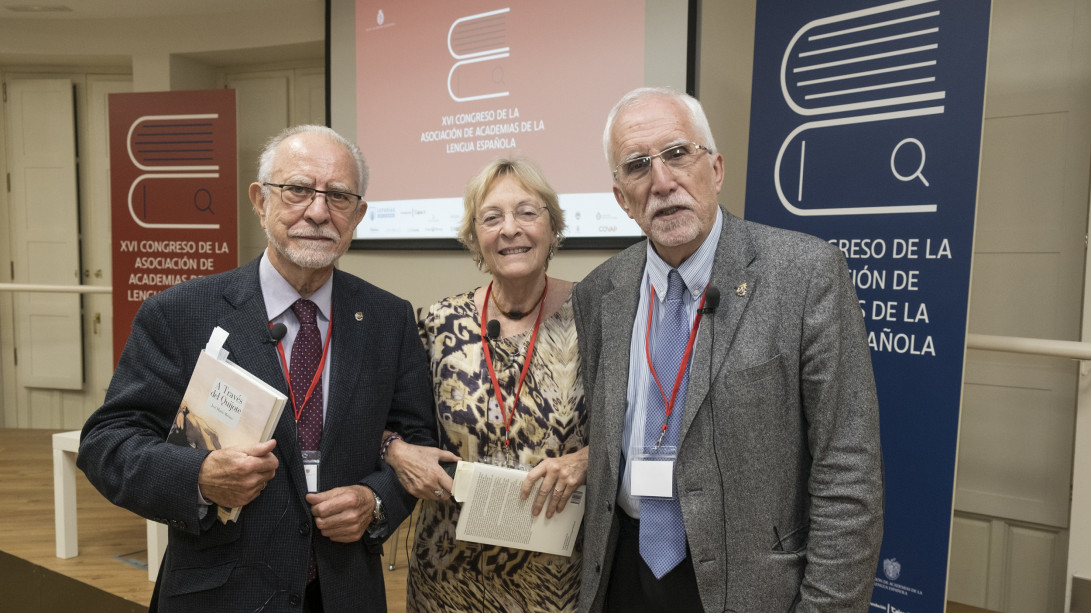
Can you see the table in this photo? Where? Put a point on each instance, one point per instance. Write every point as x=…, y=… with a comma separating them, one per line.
x=65, y=447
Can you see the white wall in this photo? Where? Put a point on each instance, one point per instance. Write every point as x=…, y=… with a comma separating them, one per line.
x=171, y=53
x=153, y=51
x=1079, y=546
x=151, y=42
x=156, y=55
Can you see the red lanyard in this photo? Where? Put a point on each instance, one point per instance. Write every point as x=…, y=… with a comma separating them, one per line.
x=297, y=408
x=669, y=404
x=526, y=364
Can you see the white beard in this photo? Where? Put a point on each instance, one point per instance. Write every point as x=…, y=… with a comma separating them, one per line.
x=306, y=257
x=675, y=232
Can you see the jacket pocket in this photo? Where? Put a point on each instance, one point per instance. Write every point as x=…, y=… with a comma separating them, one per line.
x=793, y=541
x=771, y=367
x=215, y=536
x=191, y=580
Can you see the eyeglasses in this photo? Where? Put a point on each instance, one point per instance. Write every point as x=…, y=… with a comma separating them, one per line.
x=301, y=195
x=676, y=157
x=524, y=215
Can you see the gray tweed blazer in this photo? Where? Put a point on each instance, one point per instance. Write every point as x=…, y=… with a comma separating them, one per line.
x=779, y=469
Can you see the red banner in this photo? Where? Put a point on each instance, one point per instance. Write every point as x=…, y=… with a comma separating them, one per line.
x=173, y=192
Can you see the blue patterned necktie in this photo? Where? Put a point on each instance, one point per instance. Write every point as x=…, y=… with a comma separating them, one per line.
x=662, y=532
x=306, y=354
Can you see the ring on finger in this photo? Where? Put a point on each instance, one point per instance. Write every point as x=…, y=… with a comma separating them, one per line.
x=558, y=493
x=438, y=493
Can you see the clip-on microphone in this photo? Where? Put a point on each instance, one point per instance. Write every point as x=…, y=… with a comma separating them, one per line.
x=276, y=332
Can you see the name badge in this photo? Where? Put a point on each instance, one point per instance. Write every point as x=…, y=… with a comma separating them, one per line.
x=311, y=460
x=652, y=472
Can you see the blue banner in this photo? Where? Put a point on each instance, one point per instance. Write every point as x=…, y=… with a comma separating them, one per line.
x=865, y=130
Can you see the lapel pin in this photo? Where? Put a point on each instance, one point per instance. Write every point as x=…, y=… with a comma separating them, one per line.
x=740, y=291
x=359, y=316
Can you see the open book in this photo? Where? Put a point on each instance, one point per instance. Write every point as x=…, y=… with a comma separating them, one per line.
x=224, y=405
x=493, y=512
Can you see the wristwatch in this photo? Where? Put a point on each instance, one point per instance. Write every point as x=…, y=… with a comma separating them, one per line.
x=378, y=516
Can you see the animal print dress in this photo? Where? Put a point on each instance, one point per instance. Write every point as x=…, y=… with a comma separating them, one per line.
x=451, y=575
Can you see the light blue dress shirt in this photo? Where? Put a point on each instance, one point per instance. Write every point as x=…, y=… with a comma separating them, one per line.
x=695, y=271
x=279, y=297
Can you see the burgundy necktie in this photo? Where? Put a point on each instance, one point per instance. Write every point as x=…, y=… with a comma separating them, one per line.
x=306, y=354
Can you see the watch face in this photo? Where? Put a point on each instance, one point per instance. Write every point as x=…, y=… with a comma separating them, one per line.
x=378, y=514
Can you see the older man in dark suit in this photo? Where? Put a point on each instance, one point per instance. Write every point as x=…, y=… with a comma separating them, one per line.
x=296, y=545
x=734, y=443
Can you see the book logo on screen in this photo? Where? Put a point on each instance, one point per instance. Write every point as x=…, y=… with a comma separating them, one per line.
x=479, y=45
x=892, y=568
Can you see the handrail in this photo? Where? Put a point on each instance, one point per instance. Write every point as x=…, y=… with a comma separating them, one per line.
x=76, y=289
x=987, y=342
x=1035, y=346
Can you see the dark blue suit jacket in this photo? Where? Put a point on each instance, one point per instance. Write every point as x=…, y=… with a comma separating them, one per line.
x=379, y=380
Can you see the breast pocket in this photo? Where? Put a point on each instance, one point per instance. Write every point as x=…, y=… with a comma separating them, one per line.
x=755, y=391
x=753, y=415
x=371, y=400
x=375, y=387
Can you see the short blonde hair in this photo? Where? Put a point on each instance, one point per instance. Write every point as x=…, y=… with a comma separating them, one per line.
x=530, y=178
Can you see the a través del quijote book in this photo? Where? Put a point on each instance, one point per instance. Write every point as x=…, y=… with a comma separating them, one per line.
x=223, y=406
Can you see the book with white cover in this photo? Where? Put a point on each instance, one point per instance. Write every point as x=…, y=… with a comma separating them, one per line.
x=223, y=406
x=494, y=513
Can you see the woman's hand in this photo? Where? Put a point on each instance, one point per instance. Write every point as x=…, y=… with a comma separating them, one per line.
x=419, y=471
x=560, y=478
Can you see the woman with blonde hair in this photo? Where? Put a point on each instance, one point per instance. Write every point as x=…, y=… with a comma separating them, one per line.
x=515, y=399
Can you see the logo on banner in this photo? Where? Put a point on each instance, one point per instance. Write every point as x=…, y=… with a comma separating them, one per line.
x=892, y=568
x=865, y=130
x=175, y=150
x=873, y=65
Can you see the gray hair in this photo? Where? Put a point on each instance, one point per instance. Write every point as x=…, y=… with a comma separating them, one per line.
x=530, y=178
x=269, y=154
x=640, y=94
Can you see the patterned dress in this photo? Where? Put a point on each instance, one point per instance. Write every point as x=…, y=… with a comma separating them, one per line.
x=449, y=575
